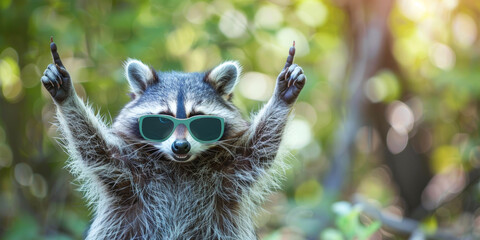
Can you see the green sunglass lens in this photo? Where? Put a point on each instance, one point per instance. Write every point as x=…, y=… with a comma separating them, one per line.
x=206, y=129
x=156, y=128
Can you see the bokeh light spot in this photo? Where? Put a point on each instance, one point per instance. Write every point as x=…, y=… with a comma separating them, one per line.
x=197, y=13
x=464, y=30
x=10, y=79
x=233, y=24
x=39, y=186
x=400, y=116
x=298, y=134
x=10, y=53
x=384, y=86
x=409, y=50
x=342, y=208
x=442, y=56
x=396, y=141
x=268, y=17
x=375, y=89
x=9, y=71
x=312, y=13
x=256, y=86
x=23, y=174
x=443, y=186
x=413, y=9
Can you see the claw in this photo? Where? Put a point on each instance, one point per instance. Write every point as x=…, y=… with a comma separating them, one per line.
x=296, y=72
x=51, y=82
x=60, y=70
x=45, y=80
x=289, y=71
x=294, y=75
x=289, y=80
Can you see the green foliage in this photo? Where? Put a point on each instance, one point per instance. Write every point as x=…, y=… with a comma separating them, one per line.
x=348, y=225
x=24, y=227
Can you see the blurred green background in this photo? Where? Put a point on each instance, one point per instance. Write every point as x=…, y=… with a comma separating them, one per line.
x=387, y=124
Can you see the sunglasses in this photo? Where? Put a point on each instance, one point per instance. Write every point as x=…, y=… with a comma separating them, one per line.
x=203, y=128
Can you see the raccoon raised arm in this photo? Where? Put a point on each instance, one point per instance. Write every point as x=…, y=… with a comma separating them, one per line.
x=265, y=133
x=91, y=146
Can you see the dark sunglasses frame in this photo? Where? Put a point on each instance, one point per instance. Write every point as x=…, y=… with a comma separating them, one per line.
x=185, y=122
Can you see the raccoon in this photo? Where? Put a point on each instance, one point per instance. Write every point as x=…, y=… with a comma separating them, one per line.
x=178, y=188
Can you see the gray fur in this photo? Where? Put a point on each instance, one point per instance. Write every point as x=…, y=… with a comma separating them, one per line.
x=138, y=192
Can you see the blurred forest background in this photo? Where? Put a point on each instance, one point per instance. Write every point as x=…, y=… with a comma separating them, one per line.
x=385, y=135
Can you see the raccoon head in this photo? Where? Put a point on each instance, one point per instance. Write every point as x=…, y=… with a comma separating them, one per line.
x=181, y=95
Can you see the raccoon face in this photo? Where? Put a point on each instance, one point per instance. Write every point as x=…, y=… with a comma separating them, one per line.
x=181, y=95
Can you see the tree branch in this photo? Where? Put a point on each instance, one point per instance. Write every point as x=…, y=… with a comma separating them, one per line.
x=398, y=224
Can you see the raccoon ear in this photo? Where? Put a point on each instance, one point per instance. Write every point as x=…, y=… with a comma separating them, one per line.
x=139, y=75
x=224, y=77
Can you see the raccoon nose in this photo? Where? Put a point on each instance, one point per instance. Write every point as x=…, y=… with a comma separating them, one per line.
x=181, y=146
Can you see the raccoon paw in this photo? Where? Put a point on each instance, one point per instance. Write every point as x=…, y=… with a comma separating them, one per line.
x=56, y=78
x=290, y=82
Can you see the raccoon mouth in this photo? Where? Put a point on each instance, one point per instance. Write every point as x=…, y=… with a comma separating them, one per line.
x=181, y=157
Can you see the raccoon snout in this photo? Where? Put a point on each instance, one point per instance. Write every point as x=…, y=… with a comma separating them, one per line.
x=181, y=146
